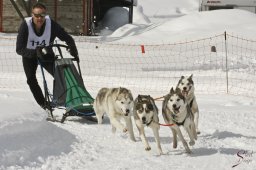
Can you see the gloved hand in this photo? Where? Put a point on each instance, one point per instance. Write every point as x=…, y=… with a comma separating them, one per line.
x=41, y=51
x=73, y=51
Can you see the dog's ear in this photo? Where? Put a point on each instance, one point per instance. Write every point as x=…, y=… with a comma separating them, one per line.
x=191, y=76
x=139, y=98
x=130, y=95
x=119, y=90
x=130, y=92
x=171, y=91
x=182, y=77
x=190, y=79
x=178, y=83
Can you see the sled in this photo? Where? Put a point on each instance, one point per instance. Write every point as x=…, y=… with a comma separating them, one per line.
x=69, y=91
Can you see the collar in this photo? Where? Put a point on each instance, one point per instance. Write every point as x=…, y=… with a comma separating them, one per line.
x=176, y=122
x=150, y=122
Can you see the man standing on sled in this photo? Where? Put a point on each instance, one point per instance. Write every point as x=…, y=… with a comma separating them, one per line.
x=35, y=32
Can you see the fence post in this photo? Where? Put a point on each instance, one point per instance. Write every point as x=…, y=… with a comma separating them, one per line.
x=226, y=51
x=1, y=15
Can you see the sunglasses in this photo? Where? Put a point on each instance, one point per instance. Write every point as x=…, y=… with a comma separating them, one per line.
x=42, y=15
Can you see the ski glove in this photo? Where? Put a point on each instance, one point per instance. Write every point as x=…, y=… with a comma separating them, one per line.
x=73, y=51
x=41, y=51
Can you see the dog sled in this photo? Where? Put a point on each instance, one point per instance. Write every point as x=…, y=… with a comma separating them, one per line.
x=69, y=92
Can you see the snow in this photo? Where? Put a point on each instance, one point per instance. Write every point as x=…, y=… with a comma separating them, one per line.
x=192, y=26
x=227, y=122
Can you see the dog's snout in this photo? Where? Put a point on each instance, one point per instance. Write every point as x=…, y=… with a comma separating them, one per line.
x=127, y=111
x=184, y=88
x=143, y=119
x=174, y=105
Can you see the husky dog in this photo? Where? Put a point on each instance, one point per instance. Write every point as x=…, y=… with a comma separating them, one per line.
x=186, y=86
x=145, y=113
x=176, y=111
x=117, y=103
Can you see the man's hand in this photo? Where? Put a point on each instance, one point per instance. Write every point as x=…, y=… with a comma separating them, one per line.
x=73, y=51
x=77, y=58
x=41, y=51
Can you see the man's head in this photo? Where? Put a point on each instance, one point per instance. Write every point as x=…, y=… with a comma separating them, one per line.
x=38, y=14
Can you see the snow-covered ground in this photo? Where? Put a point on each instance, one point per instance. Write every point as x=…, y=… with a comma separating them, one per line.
x=227, y=122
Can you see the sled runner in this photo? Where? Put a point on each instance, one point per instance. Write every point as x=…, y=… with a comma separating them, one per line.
x=69, y=91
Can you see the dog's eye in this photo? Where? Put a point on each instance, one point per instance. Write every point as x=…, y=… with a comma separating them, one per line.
x=170, y=100
x=150, y=107
x=137, y=107
x=182, y=83
x=122, y=102
x=140, y=111
x=178, y=99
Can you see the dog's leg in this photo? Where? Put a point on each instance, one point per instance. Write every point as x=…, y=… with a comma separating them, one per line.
x=116, y=123
x=155, y=127
x=196, y=119
x=174, y=137
x=99, y=114
x=195, y=112
x=128, y=122
x=142, y=135
x=188, y=127
x=177, y=129
x=113, y=129
x=144, y=140
x=193, y=130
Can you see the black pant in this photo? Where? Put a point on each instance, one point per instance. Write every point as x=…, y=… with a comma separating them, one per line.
x=30, y=67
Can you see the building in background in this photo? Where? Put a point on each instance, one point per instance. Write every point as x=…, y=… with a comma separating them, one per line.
x=208, y=5
x=78, y=17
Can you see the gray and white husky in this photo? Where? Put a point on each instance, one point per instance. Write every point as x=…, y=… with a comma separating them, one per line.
x=176, y=111
x=145, y=113
x=187, y=88
x=117, y=103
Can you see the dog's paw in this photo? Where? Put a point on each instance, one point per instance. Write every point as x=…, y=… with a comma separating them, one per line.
x=133, y=139
x=188, y=151
x=148, y=148
x=191, y=143
x=125, y=130
x=113, y=129
x=160, y=152
x=174, y=145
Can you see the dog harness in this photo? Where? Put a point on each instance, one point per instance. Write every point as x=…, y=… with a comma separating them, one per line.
x=150, y=122
x=181, y=123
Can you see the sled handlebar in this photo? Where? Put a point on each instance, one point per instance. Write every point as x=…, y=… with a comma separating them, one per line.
x=58, y=46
